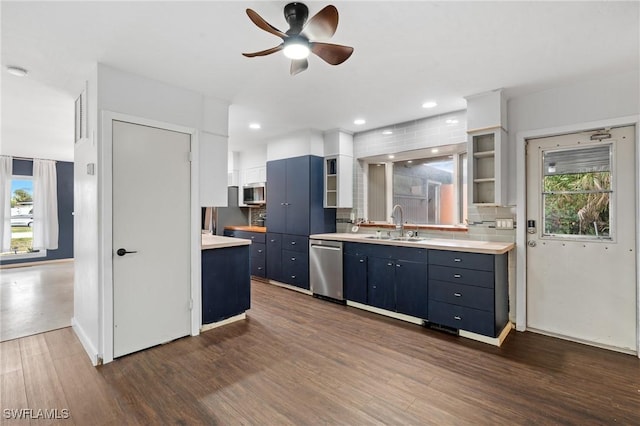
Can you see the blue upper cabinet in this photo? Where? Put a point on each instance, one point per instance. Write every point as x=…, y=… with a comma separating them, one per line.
x=295, y=197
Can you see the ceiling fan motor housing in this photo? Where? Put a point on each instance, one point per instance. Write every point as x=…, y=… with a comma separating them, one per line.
x=296, y=15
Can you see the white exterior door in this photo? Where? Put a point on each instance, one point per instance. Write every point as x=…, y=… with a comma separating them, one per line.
x=151, y=219
x=581, y=260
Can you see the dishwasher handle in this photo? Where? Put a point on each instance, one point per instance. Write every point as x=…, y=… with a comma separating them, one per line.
x=318, y=246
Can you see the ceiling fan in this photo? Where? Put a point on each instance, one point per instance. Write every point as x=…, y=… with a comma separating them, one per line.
x=298, y=40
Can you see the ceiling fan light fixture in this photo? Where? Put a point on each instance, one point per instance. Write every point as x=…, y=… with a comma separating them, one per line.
x=296, y=48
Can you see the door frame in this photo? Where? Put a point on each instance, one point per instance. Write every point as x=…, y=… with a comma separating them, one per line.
x=105, y=225
x=521, y=209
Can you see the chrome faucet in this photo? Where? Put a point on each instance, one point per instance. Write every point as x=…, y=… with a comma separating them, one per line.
x=393, y=216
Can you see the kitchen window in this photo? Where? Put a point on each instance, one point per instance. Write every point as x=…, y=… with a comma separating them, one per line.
x=429, y=184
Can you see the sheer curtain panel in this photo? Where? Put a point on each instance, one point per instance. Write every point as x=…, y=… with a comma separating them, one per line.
x=45, y=205
x=6, y=173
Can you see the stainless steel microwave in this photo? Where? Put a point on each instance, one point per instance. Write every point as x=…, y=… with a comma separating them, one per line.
x=255, y=193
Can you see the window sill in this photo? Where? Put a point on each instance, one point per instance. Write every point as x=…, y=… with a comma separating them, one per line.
x=410, y=227
x=34, y=255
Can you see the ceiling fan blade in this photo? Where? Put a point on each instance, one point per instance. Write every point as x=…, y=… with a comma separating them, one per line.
x=264, y=25
x=265, y=52
x=323, y=25
x=298, y=65
x=333, y=54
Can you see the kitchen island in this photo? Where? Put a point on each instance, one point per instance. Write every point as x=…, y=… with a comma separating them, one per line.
x=226, y=280
x=460, y=286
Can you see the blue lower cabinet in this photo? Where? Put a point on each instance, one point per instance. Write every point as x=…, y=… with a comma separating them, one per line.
x=381, y=285
x=412, y=288
x=295, y=268
x=463, y=318
x=274, y=256
x=355, y=277
x=226, y=283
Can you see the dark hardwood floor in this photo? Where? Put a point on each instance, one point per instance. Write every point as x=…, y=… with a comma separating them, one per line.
x=300, y=360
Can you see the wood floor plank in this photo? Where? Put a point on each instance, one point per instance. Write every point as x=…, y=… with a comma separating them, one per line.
x=12, y=397
x=42, y=385
x=10, y=357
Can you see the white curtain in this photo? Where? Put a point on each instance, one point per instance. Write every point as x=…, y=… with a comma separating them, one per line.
x=6, y=172
x=45, y=205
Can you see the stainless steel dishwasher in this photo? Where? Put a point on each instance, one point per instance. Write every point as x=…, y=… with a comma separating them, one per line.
x=325, y=269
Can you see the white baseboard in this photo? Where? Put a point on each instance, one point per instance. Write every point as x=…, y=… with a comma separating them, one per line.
x=396, y=315
x=584, y=342
x=291, y=287
x=42, y=262
x=86, y=343
x=213, y=325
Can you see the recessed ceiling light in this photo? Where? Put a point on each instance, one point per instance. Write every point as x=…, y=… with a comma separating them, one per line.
x=387, y=132
x=359, y=121
x=429, y=104
x=434, y=150
x=391, y=157
x=410, y=161
x=451, y=121
x=255, y=126
x=17, y=71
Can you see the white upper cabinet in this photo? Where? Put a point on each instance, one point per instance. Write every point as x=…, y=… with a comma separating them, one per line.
x=338, y=169
x=487, y=139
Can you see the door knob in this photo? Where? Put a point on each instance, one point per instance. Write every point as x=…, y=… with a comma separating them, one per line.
x=531, y=243
x=122, y=252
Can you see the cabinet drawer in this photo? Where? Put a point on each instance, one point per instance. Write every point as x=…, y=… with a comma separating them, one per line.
x=483, y=262
x=256, y=237
x=295, y=268
x=258, y=250
x=258, y=268
x=461, y=276
x=463, y=295
x=462, y=318
x=295, y=243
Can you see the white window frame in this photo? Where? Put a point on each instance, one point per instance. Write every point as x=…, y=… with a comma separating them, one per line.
x=22, y=256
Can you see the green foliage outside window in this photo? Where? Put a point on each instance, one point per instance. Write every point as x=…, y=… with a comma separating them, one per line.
x=577, y=204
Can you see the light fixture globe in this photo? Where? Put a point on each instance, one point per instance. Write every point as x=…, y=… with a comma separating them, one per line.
x=296, y=47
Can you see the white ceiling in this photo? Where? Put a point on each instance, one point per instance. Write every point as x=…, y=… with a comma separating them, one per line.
x=405, y=53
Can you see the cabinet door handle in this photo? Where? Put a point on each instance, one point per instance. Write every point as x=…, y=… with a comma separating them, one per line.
x=457, y=294
x=293, y=243
x=282, y=204
x=260, y=251
x=389, y=264
x=293, y=277
x=456, y=275
x=253, y=238
x=457, y=260
x=293, y=258
x=259, y=268
x=361, y=260
x=457, y=318
x=398, y=265
x=272, y=241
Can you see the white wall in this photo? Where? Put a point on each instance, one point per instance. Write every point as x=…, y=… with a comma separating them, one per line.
x=610, y=96
x=124, y=93
x=306, y=142
x=86, y=290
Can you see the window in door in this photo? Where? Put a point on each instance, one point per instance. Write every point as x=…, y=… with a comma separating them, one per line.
x=577, y=191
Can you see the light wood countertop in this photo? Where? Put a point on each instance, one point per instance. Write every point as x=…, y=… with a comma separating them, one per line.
x=247, y=228
x=216, y=241
x=471, y=246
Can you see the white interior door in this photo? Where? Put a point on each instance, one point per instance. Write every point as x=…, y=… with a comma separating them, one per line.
x=581, y=262
x=151, y=218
